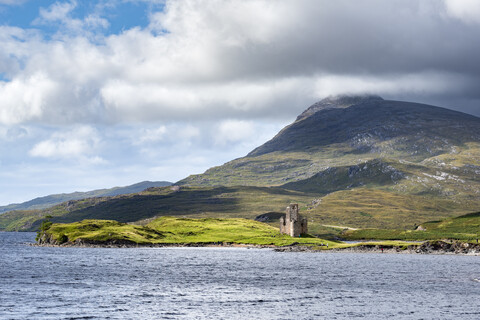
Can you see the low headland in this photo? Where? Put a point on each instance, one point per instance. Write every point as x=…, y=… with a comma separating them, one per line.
x=184, y=232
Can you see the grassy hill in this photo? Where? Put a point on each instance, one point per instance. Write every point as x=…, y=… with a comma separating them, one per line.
x=171, y=230
x=465, y=227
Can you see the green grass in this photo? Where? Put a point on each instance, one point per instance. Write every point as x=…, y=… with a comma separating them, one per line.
x=104, y=230
x=211, y=231
x=373, y=208
x=466, y=228
x=171, y=230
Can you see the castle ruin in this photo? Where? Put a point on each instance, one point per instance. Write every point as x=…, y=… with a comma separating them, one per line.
x=293, y=223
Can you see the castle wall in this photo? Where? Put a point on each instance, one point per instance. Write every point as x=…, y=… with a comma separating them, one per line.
x=293, y=223
x=283, y=227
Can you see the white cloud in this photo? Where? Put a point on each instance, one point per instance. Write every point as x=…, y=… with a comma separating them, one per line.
x=61, y=12
x=234, y=131
x=25, y=99
x=201, y=101
x=215, y=63
x=416, y=83
x=151, y=135
x=465, y=10
x=79, y=143
x=187, y=132
x=166, y=137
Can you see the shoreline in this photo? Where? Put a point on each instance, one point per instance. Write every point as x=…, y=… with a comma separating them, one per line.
x=117, y=244
x=427, y=247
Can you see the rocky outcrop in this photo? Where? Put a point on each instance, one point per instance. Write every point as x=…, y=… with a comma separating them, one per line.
x=455, y=247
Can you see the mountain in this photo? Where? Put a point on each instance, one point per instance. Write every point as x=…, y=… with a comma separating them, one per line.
x=349, y=161
x=51, y=200
x=349, y=131
x=369, y=161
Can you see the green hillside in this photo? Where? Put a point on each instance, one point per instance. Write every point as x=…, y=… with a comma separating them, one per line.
x=359, y=208
x=170, y=230
x=220, y=202
x=465, y=227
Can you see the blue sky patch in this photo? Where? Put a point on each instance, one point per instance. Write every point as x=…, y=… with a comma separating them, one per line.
x=121, y=15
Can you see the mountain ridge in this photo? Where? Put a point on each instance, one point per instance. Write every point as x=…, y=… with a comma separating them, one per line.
x=53, y=199
x=371, y=117
x=351, y=135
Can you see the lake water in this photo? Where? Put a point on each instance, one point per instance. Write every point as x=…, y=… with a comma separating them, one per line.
x=231, y=283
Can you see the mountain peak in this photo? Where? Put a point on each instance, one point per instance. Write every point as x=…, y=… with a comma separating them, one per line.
x=338, y=101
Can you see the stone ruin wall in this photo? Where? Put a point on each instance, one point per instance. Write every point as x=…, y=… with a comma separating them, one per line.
x=293, y=223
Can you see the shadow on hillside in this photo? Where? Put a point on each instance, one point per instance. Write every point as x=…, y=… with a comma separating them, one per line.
x=184, y=202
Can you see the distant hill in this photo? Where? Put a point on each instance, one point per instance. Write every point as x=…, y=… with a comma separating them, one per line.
x=51, y=200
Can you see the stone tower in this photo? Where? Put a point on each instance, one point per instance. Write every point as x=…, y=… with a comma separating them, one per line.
x=293, y=223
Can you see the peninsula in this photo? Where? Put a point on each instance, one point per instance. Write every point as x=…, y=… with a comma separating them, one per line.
x=171, y=231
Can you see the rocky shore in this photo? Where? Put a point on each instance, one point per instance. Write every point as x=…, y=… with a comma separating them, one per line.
x=427, y=247
x=83, y=243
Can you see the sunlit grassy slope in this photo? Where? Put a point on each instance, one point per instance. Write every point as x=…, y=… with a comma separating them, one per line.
x=171, y=230
x=364, y=207
x=465, y=227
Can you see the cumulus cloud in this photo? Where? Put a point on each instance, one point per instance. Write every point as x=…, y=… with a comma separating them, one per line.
x=234, y=131
x=236, y=59
x=60, y=12
x=79, y=143
x=151, y=135
x=465, y=10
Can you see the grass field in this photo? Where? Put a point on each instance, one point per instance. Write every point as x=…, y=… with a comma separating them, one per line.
x=171, y=230
x=466, y=228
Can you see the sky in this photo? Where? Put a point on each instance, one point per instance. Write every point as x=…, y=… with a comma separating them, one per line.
x=96, y=94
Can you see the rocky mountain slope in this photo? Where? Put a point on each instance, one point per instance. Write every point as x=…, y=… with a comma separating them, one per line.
x=350, y=131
